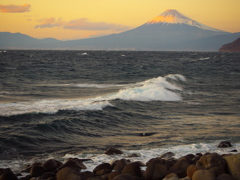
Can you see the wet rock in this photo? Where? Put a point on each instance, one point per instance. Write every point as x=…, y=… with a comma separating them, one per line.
x=171, y=176
x=170, y=162
x=113, y=174
x=203, y=175
x=214, y=162
x=7, y=174
x=155, y=170
x=196, y=158
x=37, y=171
x=225, y=177
x=102, y=169
x=85, y=175
x=133, y=155
x=224, y=144
x=167, y=155
x=234, y=150
x=124, y=176
x=191, y=170
x=73, y=164
x=105, y=176
x=120, y=164
x=48, y=175
x=28, y=177
x=180, y=167
x=67, y=173
x=51, y=165
x=112, y=151
x=29, y=167
x=154, y=159
x=233, y=165
x=185, y=178
x=133, y=169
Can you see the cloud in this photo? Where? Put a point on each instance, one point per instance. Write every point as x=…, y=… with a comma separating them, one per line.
x=15, y=8
x=84, y=24
x=49, y=23
x=80, y=24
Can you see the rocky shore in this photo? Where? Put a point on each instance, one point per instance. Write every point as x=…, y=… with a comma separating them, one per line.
x=208, y=166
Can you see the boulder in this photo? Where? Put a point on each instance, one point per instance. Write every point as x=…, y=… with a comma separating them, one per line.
x=196, y=158
x=124, y=176
x=51, y=165
x=120, y=164
x=37, y=171
x=67, y=173
x=233, y=165
x=185, y=178
x=133, y=169
x=169, y=162
x=180, y=167
x=167, y=155
x=203, y=174
x=86, y=174
x=113, y=174
x=214, y=162
x=102, y=169
x=191, y=170
x=73, y=164
x=48, y=175
x=155, y=170
x=225, y=177
x=7, y=174
x=112, y=151
x=224, y=144
x=171, y=176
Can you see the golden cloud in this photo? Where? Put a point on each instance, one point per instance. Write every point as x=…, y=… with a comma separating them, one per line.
x=84, y=24
x=15, y=8
x=80, y=24
x=49, y=23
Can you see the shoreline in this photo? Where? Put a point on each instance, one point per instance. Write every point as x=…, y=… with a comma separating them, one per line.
x=166, y=166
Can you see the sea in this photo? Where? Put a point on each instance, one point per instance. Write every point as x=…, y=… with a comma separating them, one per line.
x=61, y=104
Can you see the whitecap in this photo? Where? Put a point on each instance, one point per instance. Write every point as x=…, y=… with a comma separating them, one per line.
x=155, y=89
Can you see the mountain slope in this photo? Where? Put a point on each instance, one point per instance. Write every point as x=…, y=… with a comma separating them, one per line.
x=170, y=31
x=172, y=16
x=231, y=47
x=22, y=41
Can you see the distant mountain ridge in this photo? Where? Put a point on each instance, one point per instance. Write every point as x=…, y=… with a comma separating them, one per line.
x=170, y=31
x=21, y=41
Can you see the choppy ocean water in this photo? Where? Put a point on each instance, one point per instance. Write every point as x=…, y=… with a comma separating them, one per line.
x=79, y=103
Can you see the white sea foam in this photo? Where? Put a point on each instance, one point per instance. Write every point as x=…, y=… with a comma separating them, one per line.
x=143, y=155
x=86, y=85
x=156, y=89
x=146, y=154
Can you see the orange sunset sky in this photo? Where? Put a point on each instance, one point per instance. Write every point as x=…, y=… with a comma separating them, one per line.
x=77, y=19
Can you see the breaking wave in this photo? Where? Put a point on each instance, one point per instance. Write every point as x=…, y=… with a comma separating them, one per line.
x=156, y=89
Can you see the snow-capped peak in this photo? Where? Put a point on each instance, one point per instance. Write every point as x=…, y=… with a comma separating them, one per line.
x=172, y=16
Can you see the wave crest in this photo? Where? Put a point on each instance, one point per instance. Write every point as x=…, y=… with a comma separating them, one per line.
x=156, y=89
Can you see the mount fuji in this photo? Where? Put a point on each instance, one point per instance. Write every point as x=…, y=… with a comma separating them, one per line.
x=170, y=31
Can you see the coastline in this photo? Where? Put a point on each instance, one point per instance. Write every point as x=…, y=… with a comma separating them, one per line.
x=166, y=166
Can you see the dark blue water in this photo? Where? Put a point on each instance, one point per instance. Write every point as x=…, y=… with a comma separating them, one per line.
x=58, y=102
